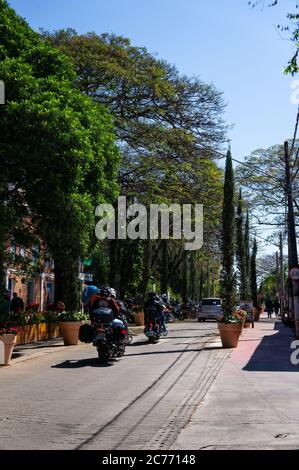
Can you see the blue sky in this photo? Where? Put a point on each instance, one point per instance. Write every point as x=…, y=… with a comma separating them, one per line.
x=224, y=42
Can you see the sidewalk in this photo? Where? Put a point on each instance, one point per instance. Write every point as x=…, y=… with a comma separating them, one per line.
x=31, y=351
x=254, y=401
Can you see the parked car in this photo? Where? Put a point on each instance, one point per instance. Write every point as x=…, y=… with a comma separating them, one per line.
x=210, y=309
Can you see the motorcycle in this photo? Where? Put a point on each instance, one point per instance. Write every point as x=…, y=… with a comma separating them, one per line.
x=153, y=329
x=110, y=335
x=178, y=312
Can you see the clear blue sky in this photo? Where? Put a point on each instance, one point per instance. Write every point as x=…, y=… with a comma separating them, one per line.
x=224, y=42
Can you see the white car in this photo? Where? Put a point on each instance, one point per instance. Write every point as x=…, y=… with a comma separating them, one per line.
x=210, y=309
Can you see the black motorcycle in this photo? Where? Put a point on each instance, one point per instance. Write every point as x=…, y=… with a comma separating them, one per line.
x=153, y=329
x=108, y=335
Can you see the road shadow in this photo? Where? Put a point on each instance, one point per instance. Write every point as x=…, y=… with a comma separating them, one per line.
x=77, y=364
x=273, y=354
x=166, y=352
x=15, y=355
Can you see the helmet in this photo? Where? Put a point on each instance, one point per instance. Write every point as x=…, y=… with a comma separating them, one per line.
x=105, y=291
x=153, y=296
x=113, y=292
x=164, y=297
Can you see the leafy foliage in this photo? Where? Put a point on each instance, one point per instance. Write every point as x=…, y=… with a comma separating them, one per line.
x=228, y=238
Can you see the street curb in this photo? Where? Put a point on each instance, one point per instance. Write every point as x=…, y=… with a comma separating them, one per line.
x=134, y=331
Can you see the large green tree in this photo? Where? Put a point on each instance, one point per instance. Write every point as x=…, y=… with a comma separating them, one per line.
x=57, y=146
x=168, y=126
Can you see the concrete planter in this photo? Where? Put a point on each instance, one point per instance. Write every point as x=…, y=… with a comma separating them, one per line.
x=139, y=318
x=38, y=332
x=69, y=331
x=53, y=330
x=256, y=316
x=42, y=332
x=230, y=334
x=7, y=343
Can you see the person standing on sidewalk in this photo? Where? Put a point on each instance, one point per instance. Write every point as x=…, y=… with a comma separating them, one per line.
x=269, y=307
x=276, y=307
x=16, y=305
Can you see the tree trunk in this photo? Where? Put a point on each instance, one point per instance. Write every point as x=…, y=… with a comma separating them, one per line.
x=147, y=263
x=164, y=267
x=115, y=263
x=185, y=277
x=192, y=274
x=201, y=284
x=67, y=284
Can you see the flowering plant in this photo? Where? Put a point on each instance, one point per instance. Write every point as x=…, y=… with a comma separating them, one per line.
x=9, y=330
x=72, y=316
x=238, y=316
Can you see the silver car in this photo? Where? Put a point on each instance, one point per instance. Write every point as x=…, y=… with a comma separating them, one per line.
x=210, y=309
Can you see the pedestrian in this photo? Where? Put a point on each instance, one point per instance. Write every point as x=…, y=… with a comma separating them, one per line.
x=269, y=307
x=16, y=305
x=60, y=307
x=276, y=307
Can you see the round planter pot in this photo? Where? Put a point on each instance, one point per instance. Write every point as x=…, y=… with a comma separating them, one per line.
x=69, y=331
x=139, y=319
x=9, y=342
x=230, y=333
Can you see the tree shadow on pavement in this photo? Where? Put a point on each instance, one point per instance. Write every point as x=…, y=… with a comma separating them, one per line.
x=273, y=354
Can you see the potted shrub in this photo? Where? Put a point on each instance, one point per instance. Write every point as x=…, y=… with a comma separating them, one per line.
x=230, y=328
x=8, y=337
x=230, y=325
x=138, y=315
x=69, y=325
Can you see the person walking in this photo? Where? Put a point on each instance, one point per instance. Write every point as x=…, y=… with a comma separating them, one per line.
x=269, y=307
x=16, y=305
x=276, y=307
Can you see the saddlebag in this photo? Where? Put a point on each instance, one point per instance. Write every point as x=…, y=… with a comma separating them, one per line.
x=86, y=333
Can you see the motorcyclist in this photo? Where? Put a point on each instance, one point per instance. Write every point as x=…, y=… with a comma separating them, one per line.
x=154, y=310
x=122, y=310
x=167, y=306
x=89, y=291
x=103, y=299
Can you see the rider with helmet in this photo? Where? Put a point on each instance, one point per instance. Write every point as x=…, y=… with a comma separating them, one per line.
x=89, y=291
x=104, y=299
x=154, y=310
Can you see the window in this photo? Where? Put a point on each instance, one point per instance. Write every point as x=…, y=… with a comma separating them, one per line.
x=35, y=253
x=211, y=302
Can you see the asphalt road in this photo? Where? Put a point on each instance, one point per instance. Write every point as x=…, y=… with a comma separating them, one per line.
x=67, y=400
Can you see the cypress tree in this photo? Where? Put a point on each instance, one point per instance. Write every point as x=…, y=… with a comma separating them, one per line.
x=247, y=259
x=240, y=247
x=228, y=238
x=253, y=274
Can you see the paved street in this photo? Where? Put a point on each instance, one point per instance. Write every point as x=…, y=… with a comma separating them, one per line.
x=67, y=400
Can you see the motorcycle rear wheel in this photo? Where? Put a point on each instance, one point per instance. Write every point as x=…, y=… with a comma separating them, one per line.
x=103, y=355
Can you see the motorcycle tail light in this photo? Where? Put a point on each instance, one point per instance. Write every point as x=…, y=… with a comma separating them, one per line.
x=123, y=332
x=100, y=330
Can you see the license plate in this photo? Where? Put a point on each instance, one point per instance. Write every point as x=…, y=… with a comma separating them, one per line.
x=100, y=335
